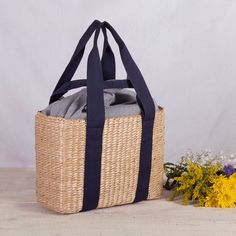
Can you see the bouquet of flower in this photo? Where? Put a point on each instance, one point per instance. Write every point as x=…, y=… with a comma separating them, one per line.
x=203, y=179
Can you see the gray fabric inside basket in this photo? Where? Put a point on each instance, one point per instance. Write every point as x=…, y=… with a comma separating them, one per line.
x=118, y=102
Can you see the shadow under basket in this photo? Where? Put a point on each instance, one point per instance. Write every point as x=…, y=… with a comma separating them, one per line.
x=60, y=161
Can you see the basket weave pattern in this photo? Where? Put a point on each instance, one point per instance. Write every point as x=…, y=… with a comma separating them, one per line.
x=60, y=155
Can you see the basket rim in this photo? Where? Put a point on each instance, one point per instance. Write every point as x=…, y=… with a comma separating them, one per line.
x=39, y=113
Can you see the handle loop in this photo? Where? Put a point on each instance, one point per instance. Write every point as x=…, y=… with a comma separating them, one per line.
x=95, y=82
x=108, y=59
x=135, y=76
x=95, y=100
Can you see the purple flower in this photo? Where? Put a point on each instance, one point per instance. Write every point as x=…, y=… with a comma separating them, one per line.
x=228, y=170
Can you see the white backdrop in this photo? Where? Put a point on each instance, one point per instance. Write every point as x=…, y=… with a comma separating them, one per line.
x=186, y=50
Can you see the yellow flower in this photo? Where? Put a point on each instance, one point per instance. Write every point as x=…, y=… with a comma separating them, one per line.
x=194, y=184
x=223, y=192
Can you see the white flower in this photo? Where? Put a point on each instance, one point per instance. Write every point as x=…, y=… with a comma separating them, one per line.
x=206, y=157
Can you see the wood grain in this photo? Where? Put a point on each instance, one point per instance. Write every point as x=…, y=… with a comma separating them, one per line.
x=21, y=215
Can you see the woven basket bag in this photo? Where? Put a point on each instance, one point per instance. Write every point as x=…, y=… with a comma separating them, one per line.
x=98, y=162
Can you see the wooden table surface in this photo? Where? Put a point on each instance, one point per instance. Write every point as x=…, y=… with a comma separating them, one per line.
x=21, y=215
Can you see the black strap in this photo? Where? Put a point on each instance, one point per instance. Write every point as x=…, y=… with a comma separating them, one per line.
x=95, y=123
x=94, y=130
x=135, y=76
x=108, y=59
x=145, y=162
x=108, y=84
x=148, y=107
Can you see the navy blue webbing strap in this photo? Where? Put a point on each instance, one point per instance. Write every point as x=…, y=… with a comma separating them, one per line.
x=135, y=76
x=95, y=123
x=107, y=58
x=107, y=84
x=148, y=107
x=94, y=130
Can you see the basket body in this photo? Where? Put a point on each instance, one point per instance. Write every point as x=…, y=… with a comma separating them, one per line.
x=60, y=156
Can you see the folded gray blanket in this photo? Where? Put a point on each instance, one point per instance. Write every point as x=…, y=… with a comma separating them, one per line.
x=118, y=102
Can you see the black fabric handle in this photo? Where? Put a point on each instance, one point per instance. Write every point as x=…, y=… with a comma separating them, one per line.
x=95, y=100
x=95, y=103
x=96, y=120
x=108, y=59
x=133, y=73
x=94, y=129
x=135, y=76
x=107, y=84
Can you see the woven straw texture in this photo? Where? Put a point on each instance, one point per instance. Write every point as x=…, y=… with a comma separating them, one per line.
x=60, y=155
